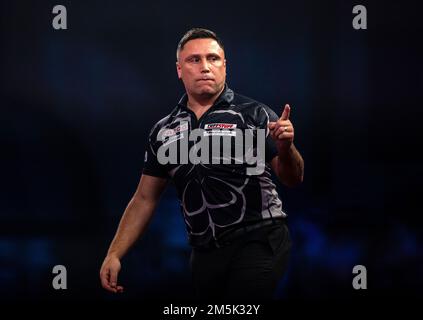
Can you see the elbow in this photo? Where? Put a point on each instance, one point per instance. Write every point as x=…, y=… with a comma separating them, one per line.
x=292, y=183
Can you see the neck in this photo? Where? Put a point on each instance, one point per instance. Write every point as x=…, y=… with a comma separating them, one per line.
x=202, y=102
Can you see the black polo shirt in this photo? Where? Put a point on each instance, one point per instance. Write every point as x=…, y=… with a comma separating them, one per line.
x=216, y=196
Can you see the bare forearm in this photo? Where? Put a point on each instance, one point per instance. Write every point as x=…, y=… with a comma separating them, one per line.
x=291, y=167
x=132, y=225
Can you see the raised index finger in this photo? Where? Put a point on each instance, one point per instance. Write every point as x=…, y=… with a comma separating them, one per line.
x=285, y=113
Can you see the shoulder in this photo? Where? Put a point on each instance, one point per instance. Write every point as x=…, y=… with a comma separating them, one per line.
x=255, y=109
x=163, y=122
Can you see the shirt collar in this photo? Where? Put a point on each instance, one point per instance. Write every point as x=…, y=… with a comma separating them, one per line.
x=224, y=99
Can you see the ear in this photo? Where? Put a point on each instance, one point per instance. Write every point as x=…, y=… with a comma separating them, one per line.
x=178, y=69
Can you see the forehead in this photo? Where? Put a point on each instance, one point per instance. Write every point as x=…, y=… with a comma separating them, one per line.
x=201, y=46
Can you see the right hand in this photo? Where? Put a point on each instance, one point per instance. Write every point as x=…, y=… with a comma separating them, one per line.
x=109, y=274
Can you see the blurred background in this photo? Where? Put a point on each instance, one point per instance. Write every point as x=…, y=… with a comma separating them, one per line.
x=77, y=105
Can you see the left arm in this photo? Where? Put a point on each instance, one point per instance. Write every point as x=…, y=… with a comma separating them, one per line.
x=288, y=165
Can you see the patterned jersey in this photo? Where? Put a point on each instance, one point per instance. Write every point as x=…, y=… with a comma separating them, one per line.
x=216, y=193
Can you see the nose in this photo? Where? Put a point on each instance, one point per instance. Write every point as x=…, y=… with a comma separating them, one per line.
x=205, y=68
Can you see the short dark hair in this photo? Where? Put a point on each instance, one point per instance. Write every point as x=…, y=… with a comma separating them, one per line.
x=197, y=33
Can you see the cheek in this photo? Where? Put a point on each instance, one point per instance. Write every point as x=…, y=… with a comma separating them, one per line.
x=189, y=73
x=186, y=75
x=221, y=73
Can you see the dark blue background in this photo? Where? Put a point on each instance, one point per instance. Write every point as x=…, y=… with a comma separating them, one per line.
x=77, y=105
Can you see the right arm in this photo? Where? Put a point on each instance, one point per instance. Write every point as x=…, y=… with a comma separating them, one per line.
x=132, y=225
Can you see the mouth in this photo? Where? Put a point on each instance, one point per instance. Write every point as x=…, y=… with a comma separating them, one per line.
x=205, y=79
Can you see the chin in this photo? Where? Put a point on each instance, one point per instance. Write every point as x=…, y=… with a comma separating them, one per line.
x=208, y=90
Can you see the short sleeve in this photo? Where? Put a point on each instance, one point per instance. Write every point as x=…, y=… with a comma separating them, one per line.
x=152, y=167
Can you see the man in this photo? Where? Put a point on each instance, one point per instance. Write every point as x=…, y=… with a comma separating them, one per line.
x=234, y=218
